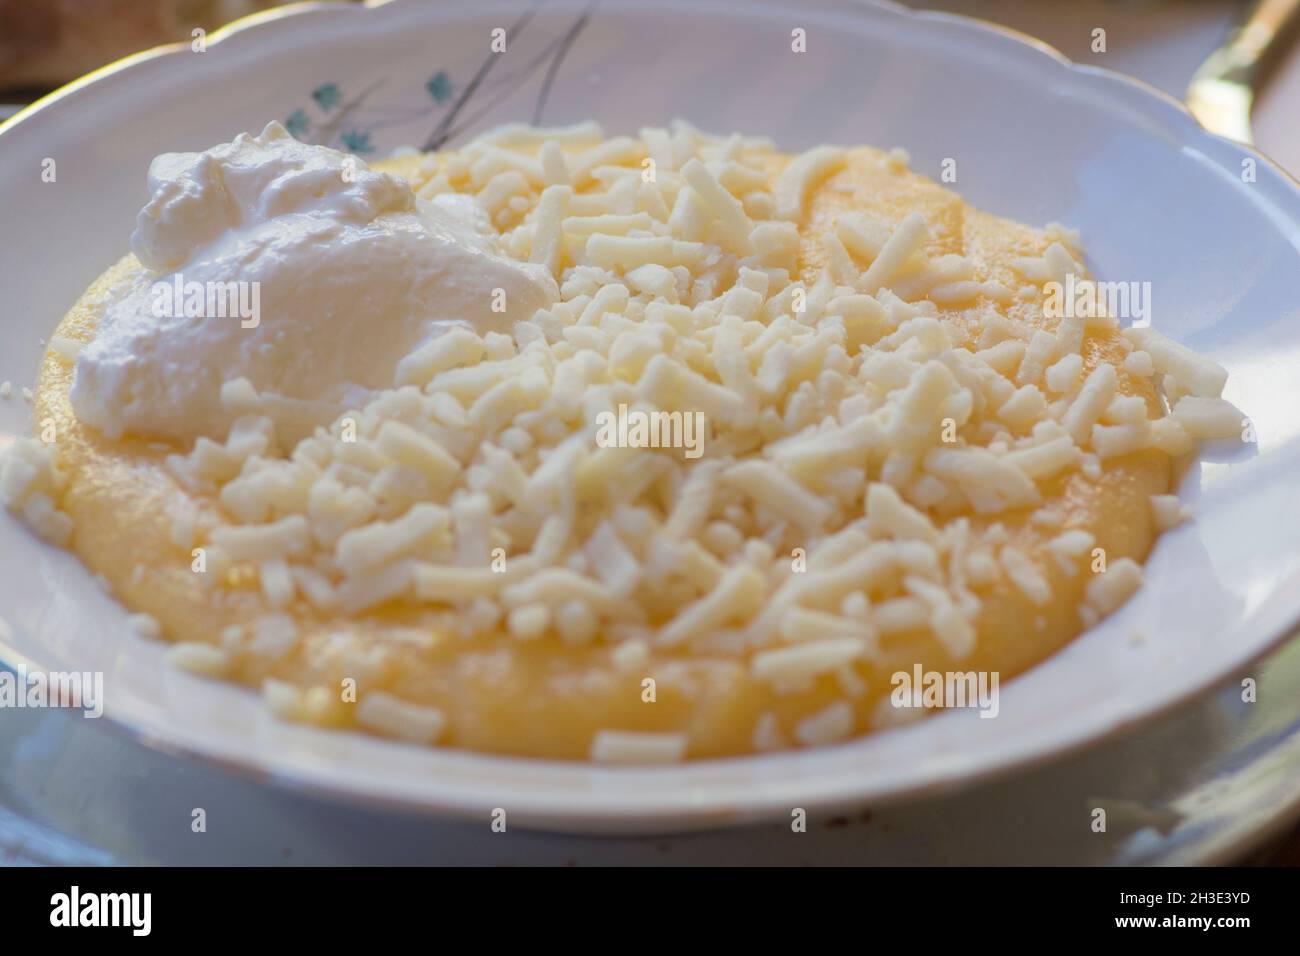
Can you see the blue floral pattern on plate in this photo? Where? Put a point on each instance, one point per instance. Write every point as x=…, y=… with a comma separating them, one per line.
x=337, y=117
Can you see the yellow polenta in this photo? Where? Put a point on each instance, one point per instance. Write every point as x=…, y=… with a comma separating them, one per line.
x=549, y=697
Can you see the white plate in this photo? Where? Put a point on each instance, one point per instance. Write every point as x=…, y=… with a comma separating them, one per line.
x=1156, y=198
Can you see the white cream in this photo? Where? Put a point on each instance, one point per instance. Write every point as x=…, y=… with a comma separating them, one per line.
x=340, y=271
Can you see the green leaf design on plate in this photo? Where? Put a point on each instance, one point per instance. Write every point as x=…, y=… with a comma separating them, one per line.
x=356, y=141
x=327, y=96
x=439, y=87
x=298, y=124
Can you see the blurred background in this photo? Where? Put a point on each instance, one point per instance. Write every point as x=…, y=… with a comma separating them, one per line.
x=46, y=43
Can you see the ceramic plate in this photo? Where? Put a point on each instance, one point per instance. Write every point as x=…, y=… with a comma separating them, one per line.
x=1212, y=226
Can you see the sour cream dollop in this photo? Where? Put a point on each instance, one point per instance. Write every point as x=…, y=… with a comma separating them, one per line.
x=295, y=267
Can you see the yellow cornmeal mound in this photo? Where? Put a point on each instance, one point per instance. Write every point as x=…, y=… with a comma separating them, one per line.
x=904, y=462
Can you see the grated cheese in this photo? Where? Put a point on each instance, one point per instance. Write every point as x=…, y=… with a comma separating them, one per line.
x=621, y=746
x=868, y=415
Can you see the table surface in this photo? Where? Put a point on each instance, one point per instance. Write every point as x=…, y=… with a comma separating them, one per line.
x=1215, y=781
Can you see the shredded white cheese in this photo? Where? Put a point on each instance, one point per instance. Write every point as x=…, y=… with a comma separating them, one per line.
x=543, y=481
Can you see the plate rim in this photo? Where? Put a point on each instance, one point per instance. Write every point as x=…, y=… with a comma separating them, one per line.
x=620, y=813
